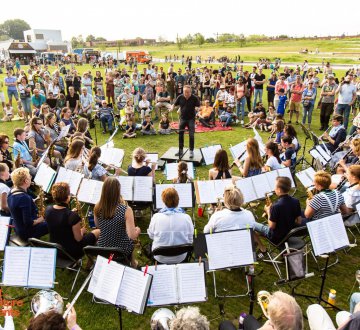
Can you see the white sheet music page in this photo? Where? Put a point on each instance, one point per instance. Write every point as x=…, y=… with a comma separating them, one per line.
x=306, y=177
x=133, y=290
x=191, y=282
x=44, y=177
x=72, y=178
x=314, y=153
x=108, y=284
x=154, y=157
x=287, y=173
x=238, y=149
x=323, y=153
x=337, y=230
x=112, y=156
x=64, y=132
x=206, y=191
x=143, y=188
x=320, y=238
x=163, y=287
x=126, y=190
x=171, y=170
x=246, y=187
x=261, y=185
x=42, y=268
x=271, y=178
x=96, y=273
x=16, y=266
x=4, y=230
x=229, y=249
x=220, y=186
x=209, y=153
x=90, y=191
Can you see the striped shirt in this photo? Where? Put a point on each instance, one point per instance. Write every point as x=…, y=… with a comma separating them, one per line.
x=326, y=203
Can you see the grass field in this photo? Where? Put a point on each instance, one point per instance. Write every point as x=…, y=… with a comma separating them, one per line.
x=96, y=317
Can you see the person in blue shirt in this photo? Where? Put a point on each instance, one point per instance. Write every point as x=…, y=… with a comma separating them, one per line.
x=282, y=102
x=37, y=100
x=28, y=223
x=10, y=82
x=106, y=117
x=288, y=157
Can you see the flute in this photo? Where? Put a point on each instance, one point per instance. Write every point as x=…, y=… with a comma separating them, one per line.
x=234, y=162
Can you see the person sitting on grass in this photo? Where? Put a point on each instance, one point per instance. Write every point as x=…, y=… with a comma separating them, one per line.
x=129, y=110
x=164, y=125
x=255, y=114
x=144, y=107
x=130, y=129
x=206, y=115
x=147, y=127
x=8, y=112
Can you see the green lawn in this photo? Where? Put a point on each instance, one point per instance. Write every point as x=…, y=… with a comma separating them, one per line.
x=94, y=316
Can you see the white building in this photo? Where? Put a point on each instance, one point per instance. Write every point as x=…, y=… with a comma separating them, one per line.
x=46, y=40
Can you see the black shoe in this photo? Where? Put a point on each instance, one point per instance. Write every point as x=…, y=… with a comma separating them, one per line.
x=110, y=132
x=289, y=122
x=179, y=153
x=191, y=154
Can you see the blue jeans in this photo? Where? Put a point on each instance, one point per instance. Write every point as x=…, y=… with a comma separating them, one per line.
x=257, y=92
x=307, y=112
x=262, y=229
x=26, y=104
x=11, y=94
x=226, y=117
x=107, y=119
x=344, y=110
x=240, y=106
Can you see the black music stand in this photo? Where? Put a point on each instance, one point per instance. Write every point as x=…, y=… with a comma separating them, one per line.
x=302, y=160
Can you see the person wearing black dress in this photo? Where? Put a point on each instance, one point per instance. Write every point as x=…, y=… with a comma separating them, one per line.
x=137, y=167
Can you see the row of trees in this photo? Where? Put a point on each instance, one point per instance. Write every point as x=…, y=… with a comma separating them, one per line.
x=78, y=42
x=199, y=39
x=13, y=29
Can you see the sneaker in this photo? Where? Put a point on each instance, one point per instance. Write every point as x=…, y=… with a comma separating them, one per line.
x=237, y=121
x=179, y=153
x=242, y=122
x=191, y=154
x=103, y=132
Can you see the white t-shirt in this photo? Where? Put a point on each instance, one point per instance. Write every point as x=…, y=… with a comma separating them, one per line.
x=230, y=220
x=3, y=189
x=273, y=163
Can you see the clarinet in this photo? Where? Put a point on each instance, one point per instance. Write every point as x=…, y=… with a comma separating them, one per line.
x=234, y=162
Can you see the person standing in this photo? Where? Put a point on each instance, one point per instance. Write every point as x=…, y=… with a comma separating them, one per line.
x=259, y=81
x=295, y=100
x=188, y=104
x=327, y=101
x=10, y=82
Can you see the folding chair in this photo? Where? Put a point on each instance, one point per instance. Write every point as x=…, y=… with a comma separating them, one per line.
x=63, y=259
x=173, y=251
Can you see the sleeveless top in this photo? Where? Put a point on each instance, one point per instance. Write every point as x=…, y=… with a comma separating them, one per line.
x=221, y=173
x=240, y=91
x=113, y=231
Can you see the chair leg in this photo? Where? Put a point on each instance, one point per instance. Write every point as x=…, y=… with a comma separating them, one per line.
x=76, y=276
x=234, y=295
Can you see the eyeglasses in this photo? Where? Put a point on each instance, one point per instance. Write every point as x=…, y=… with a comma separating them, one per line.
x=38, y=124
x=7, y=142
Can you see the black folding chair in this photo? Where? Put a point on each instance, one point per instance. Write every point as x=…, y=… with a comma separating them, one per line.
x=173, y=251
x=118, y=255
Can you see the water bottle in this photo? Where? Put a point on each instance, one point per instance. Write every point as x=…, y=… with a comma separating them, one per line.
x=200, y=210
x=332, y=297
x=241, y=320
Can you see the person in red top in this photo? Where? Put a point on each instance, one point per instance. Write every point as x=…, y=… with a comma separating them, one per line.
x=280, y=84
x=295, y=101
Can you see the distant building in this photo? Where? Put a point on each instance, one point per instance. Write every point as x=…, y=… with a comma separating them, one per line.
x=46, y=40
x=125, y=42
x=13, y=49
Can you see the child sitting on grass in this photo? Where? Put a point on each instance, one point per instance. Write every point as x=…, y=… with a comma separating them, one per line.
x=164, y=124
x=147, y=127
x=130, y=129
x=129, y=110
x=8, y=112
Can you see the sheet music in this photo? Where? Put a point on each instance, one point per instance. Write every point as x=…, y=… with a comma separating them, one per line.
x=163, y=287
x=323, y=153
x=236, y=249
x=108, y=284
x=90, y=191
x=209, y=153
x=238, y=149
x=306, y=177
x=63, y=133
x=112, y=156
x=206, y=192
x=246, y=187
x=16, y=266
x=184, y=190
x=42, y=268
x=143, y=188
x=133, y=290
x=4, y=231
x=261, y=185
x=271, y=178
x=44, y=177
x=126, y=190
x=191, y=282
x=315, y=154
x=171, y=170
x=72, y=178
x=219, y=186
x=320, y=239
x=287, y=173
x=339, y=237
x=96, y=273
x=42, y=158
x=154, y=157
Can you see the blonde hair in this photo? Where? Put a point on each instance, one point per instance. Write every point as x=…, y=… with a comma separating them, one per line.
x=139, y=155
x=356, y=145
x=19, y=176
x=323, y=179
x=284, y=312
x=233, y=197
x=189, y=318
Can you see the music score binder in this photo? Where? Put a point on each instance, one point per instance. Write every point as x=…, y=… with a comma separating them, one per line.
x=209, y=152
x=4, y=231
x=153, y=157
x=306, y=177
x=328, y=234
x=72, y=178
x=111, y=156
x=120, y=285
x=185, y=191
x=89, y=191
x=29, y=267
x=44, y=177
x=230, y=249
x=210, y=191
x=318, y=152
x=171, y=170
x=177, y=284
x=136, y=188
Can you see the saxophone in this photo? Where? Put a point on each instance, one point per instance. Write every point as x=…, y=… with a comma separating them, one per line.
x=41, y=203
x=18, y=160
x=267, y=202
x=219, y=204
x=34, y=155
x=310, y=193
x=84, y=223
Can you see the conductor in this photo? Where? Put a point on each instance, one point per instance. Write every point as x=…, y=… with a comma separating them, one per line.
x=188, y=104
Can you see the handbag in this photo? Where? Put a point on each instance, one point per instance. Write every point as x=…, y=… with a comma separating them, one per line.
x=319, y=103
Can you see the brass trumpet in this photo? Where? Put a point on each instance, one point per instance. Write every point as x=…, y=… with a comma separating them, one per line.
x=263, y=301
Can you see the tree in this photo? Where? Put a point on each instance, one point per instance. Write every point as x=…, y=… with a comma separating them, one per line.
x=210, y=40
x=199, y=39
x=14, y=28
x=188, y=39
x=90, y=38
x=179, y=42
x=77, y=41
x=100, y=39
x=241, y=40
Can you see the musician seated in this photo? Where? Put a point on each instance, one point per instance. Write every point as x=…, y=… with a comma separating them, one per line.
x=65, y=226
x=253, y=162
x=21, y=147
x=206, y=115
x=183, y=176
x=273, y=161
x=115, y=220
x=283, y=215
x=5, y=154
x=351, y=158
x=232, y=217
x=170, y=226
x=336, y=135
x=326, y=202
x=352, y=195
x=4, y=190
x=137, y=167
x=93, y=170
x=74, y=158
x=221, y=168
x=288, y=157
x=23, y=209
